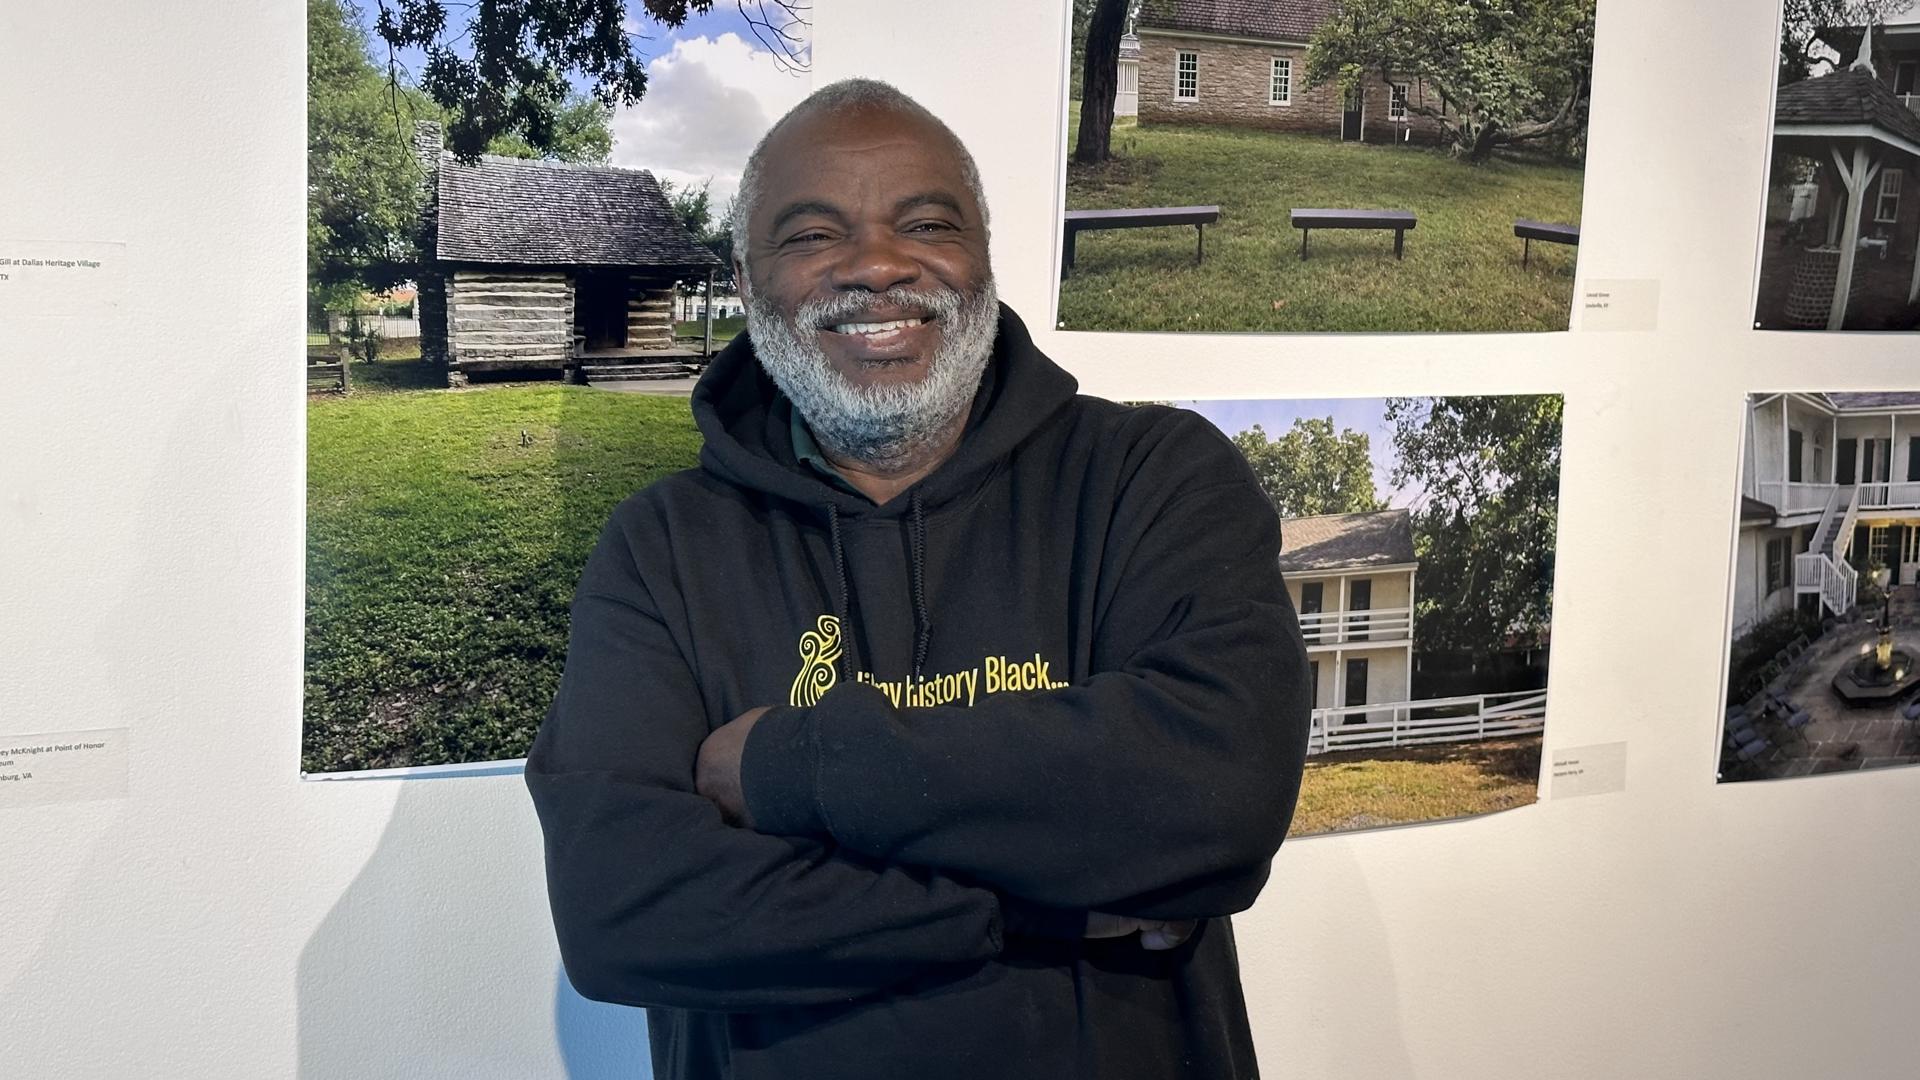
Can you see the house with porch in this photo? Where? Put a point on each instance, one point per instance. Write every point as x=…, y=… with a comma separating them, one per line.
x=1244, y=63
x=1350, y=577
x=1829, y=490
x=1844, y=252
x=539, y=265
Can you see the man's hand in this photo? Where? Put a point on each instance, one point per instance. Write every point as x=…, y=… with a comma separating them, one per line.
x=716, y=771
x=1155, y=934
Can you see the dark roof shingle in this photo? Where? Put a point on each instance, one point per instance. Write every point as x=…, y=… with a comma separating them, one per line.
x=1292, y=20
x=1853, y=96
x=507, y=210
x=1339, y=541
x=1874, y=399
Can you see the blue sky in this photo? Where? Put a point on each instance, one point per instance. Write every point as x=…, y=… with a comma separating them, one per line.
x=712, y=91
x=1367, y=415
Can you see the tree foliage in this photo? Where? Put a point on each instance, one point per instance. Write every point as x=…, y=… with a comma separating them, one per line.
x=1816, y=31
x=363, y=186
x=693, y=205
x=503, y=67
x=1497, y=72
x=1489, y=468
x=1312, y=469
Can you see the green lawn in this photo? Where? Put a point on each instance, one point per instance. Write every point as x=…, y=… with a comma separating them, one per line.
x=724, y=330
x=445, y=534
x=1462, y=267
x=1370, y=789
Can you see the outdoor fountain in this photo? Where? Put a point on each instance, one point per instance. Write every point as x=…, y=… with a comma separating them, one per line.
x=1882, y=674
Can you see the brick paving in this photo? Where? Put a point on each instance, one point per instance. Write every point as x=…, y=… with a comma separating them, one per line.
x=1841, y=738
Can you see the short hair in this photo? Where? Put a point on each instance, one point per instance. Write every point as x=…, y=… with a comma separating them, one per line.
x=845, y=94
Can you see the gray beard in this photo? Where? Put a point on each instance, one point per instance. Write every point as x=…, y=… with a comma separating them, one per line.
x=891, y=427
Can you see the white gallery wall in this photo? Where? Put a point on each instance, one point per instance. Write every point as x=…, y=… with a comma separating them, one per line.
x=227, y=920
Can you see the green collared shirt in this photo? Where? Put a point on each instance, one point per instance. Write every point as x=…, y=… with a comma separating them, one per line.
x=808, y=451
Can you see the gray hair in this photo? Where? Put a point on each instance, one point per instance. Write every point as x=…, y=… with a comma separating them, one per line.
x=845, y=94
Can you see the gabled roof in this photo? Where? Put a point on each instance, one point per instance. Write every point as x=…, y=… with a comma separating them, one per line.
x=1850, y=97
x=509, y=210
x=1344, y=541
x=1286, y=20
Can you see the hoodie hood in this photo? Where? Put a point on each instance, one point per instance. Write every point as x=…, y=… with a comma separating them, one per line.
x=746, y=423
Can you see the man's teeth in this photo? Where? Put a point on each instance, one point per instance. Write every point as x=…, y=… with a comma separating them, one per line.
x=875, y=327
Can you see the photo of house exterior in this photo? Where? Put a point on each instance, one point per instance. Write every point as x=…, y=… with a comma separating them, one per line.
x=1350, y=577
x=1824, y=608
x=1841, y=248
x=1415, y=716
x=1244, y=63
x=540, y=265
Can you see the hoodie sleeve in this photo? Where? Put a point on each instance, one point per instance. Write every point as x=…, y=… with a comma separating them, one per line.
x=1159, y=786
x=657, y=901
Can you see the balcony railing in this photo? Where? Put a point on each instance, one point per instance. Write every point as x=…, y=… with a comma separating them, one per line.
x=1343, y=627
x=1791, y=498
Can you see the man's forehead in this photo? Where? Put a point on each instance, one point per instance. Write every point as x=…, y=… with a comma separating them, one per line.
x=813, y=155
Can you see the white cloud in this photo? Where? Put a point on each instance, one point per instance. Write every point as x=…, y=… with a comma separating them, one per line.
x=708, y=101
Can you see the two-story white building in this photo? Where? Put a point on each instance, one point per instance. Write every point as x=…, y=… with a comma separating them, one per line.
x=1351, y=580
x=1830, y=487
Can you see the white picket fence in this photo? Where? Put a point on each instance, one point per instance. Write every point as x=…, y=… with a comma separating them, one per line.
x=1431, y=720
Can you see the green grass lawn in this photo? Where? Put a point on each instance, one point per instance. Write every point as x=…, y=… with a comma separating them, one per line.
x=445, y=534
x=1462, y=267
x=1370, y=789
x=724, y=330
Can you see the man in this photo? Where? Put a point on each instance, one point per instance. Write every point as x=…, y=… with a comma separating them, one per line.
x=932, y=727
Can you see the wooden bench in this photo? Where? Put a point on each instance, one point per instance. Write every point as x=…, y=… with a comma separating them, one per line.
x=1397, y=220
x=327, y=366
x=1078, y=221
x=1544, y=230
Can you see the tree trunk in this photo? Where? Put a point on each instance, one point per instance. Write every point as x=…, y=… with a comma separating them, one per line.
x=1484, y=143
x=1101, y=79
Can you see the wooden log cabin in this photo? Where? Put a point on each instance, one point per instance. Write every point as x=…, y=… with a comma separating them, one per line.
x=540, y=265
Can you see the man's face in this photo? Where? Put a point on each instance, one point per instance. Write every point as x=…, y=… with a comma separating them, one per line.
x=863, y=214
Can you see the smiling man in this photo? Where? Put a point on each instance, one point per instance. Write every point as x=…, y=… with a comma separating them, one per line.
x=934, y=726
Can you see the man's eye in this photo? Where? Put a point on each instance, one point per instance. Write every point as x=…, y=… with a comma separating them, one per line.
x=930, y=226
x=811, y=236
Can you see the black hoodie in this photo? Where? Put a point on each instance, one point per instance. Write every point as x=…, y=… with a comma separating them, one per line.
x=1058, y=675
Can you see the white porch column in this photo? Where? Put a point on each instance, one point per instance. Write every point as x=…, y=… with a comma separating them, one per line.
x=1786, y=462
x=1913, y=290
x=1856, y=178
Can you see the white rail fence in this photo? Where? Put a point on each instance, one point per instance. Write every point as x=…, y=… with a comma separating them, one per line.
x=1795, y=498
x=1432, y=720
x=387, y=326
x=1339, y=627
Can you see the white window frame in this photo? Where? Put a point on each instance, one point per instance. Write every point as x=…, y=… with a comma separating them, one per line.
x=1179, y=58
x=1279, y=82
x=1397, y=106
x=1880, y=212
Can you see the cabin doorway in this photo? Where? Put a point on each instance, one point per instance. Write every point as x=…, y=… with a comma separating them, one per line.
x=600, y=310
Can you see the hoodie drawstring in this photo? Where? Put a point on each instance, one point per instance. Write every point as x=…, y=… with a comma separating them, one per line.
x=922, y=618
x=841, y=604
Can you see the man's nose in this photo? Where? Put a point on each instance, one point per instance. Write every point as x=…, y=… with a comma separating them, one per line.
x=876, y=261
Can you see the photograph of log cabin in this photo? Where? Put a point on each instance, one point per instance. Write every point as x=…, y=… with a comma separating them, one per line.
x=1840, y=245
x=1417, y=542
x=504, y=327
x=1825, y=603
x=1305, y=165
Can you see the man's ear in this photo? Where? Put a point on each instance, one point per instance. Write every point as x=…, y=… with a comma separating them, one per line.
x=741, y=285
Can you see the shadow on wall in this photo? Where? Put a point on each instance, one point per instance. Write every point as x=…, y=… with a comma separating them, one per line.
x=1290, y=957
x=439, y=958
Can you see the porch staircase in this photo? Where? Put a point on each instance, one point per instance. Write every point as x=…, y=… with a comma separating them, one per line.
x=1822, y=569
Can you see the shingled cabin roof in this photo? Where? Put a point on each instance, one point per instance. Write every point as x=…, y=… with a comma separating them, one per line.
x=1263, y=20
x=509, y=210
x=1847, y=97
x=1346, y=541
